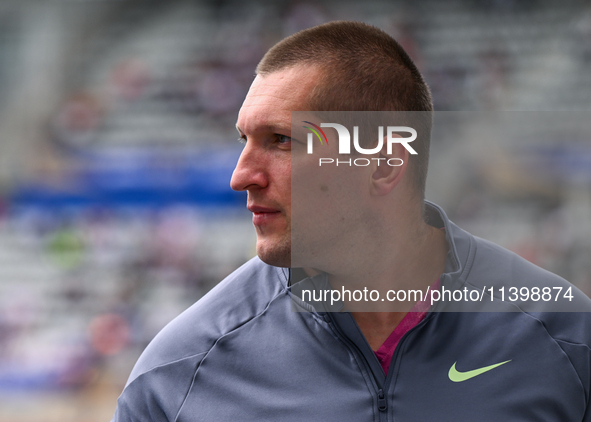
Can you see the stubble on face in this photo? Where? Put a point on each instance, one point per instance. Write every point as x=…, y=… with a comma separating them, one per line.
x=264, y=168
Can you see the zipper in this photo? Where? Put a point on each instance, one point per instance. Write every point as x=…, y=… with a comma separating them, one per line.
x=430, y=314
x=393, y=363
x=382, y=389
x=382, y=401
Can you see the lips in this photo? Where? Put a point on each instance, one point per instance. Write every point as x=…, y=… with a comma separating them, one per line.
x=263, y=215
x=260, y=210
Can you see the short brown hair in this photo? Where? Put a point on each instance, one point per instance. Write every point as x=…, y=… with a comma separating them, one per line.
x=365, y=70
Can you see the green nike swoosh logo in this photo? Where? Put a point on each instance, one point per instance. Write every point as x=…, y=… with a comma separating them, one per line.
x=457, y=376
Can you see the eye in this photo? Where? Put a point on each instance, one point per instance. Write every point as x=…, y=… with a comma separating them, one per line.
x=283, y=139
x=242, y=140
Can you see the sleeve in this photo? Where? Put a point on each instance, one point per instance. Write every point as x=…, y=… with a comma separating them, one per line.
x=158, y=394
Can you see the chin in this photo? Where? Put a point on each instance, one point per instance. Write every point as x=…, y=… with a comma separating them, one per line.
x=277, y=255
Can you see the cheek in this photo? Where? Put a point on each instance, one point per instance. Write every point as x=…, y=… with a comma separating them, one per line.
x=281, y=176
x=327, y=190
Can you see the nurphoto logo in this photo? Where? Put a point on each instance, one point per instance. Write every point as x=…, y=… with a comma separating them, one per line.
x=391, y=137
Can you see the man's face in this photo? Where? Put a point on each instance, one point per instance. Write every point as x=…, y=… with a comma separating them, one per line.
x=264, y=167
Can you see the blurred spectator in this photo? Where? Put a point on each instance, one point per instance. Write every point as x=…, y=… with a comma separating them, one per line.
x=130, y=79
x=583, y=35
x=78, y=120
x=109, y=333
x=219, y=91
x=301, y=15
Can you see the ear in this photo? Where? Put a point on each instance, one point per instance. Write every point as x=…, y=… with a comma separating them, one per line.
x=388, y=169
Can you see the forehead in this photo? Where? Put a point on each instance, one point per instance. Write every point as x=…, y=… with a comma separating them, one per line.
x=271, y=98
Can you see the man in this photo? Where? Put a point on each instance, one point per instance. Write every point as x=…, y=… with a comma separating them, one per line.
x=242, y=353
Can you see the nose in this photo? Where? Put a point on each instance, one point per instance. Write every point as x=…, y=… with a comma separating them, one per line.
x=250, y=170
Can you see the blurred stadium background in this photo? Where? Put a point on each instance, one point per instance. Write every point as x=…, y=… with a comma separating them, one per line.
x=117, y=145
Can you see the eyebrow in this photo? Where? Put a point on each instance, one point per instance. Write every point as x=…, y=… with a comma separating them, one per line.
x=269, y=127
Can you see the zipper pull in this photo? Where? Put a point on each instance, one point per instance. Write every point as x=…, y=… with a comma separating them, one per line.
x=382, y=402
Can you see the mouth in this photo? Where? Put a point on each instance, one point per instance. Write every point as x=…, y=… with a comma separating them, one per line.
x=263, y=215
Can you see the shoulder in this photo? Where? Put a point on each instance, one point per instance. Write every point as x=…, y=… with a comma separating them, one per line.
x=563, y=311
x=495, y=266
x=238, y=298
x=562, y=321
x=497, y=262
x=164, y=373
x=517, y=285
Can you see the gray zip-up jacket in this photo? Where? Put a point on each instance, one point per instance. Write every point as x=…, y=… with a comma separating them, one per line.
x=242, y=354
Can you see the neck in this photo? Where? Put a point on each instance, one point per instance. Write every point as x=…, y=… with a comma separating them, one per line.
x=418, y=274
x=404, y=254
x=388, y=253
